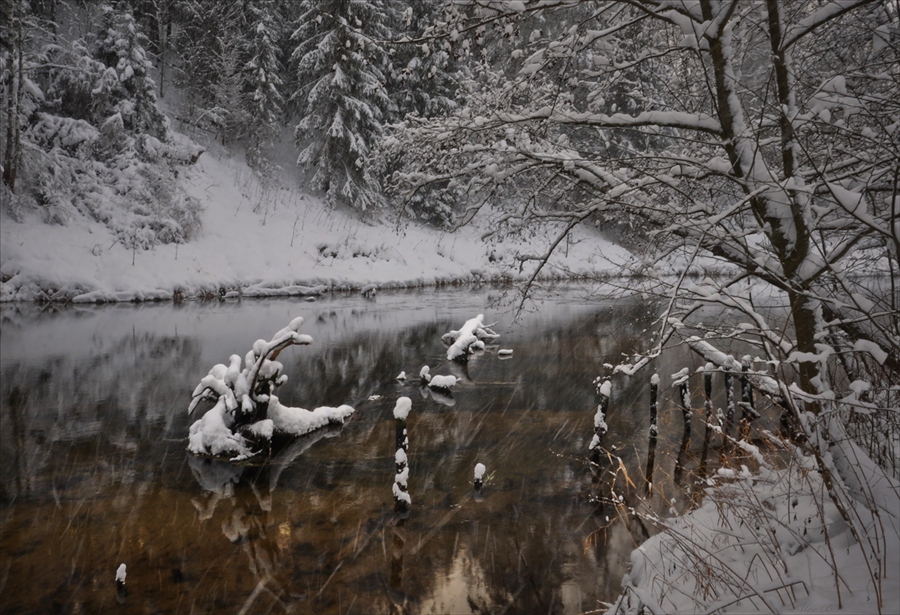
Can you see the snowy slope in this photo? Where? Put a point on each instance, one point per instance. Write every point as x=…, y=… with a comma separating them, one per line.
x=272, y=237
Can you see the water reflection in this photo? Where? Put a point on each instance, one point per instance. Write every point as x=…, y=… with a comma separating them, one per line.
x=95, y=472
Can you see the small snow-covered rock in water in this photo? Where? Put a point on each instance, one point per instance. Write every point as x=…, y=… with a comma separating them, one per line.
x=425, y=374
x=442, y=382
x=120, y=574
x=401, y=376
x=402, y=407
x=504, y=352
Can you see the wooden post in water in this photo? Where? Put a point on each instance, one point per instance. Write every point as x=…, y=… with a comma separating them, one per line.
x=478, y=481
x=654, y=432
x=402, y=501
x=748, y=409
x=596, y=445
x=686, y=411
x=600, y=427
x=708, y=411
x=729, y=407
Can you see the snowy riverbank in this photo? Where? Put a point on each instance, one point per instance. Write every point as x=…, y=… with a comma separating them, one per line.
x=262, y=241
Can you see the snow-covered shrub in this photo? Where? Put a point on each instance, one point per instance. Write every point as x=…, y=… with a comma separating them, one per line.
x=97, y=145
x=76, y=172
x=247, y=414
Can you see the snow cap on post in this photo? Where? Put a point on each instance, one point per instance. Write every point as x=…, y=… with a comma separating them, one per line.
x=479, y=472
x=402, y=407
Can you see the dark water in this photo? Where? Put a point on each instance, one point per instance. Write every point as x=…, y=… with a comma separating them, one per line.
x=95, y=473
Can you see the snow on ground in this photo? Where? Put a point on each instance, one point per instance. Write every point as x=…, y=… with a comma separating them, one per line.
x=266, y=238
x=772, y=542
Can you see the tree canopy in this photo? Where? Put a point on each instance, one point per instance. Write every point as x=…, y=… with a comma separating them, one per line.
x=754, y=140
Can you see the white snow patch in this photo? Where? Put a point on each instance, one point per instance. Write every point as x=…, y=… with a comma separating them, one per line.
x=402, y=408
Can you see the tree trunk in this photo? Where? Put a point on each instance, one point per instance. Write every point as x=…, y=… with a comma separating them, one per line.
x=774, y=208
x=803, y=315
x=12, y=100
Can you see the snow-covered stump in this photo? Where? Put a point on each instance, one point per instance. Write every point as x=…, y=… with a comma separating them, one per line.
x=439, y=387
x=402, y=501
x=247, y=414
x=470, y=338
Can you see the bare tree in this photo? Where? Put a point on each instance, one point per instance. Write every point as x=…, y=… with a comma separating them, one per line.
x=758, y=140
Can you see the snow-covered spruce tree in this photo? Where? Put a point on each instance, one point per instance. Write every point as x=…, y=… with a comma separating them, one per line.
x=247, y=414
x=261, y=79
x=421, y=74
x=122, y=48
x=340, y=94
x=12, y=87
x=421, y=84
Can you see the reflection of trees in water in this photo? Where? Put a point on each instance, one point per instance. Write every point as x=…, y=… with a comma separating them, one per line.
x=240, y=499
x=124, y=393
x=316, y=531
x=359, y=366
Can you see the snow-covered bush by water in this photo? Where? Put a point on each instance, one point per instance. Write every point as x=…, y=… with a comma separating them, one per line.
x=247, y=414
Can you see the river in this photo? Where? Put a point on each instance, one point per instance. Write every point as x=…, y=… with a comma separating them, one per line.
x=95, y=472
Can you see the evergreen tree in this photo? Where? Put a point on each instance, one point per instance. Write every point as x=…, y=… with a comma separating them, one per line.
x=209, y=44
x=339, y=61
x=421, y=80
x=121, y=47
x=262, y=101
